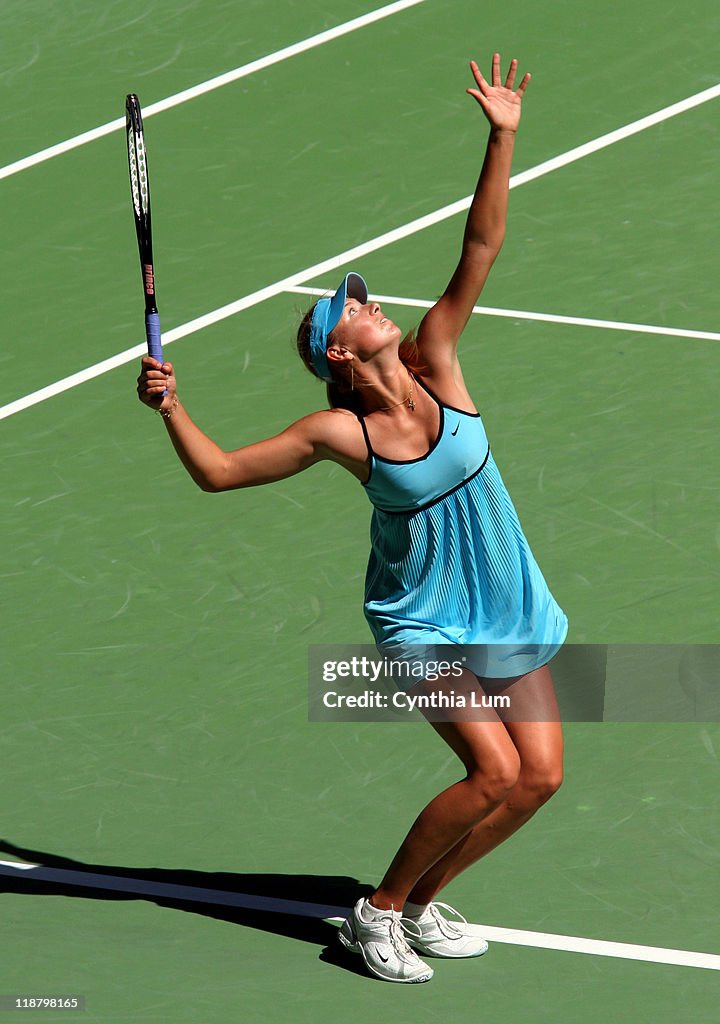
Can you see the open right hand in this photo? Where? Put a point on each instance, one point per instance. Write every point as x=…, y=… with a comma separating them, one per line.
x=155, y=378
x=500, y=103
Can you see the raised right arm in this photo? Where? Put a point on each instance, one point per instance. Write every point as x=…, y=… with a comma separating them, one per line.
x=212, y=469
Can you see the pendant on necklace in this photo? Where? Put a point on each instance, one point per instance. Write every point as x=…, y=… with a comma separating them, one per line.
x=411, y=404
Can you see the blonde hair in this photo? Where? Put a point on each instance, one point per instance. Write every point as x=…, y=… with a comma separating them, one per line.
x=340, y=393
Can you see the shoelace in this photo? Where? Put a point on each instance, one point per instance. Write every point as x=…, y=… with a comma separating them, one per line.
x=449, y=929
x=397, y=935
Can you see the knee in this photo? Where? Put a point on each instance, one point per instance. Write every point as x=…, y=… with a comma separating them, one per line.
x=492, y=782
x=535, y=787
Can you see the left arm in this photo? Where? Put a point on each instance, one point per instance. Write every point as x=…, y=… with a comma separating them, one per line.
x=442, y=326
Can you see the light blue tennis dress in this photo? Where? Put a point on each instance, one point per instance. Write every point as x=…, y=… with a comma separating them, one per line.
x=450, y=563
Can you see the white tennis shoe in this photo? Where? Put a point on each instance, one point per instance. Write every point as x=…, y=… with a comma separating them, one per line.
x=382, y=944
x=440, y=937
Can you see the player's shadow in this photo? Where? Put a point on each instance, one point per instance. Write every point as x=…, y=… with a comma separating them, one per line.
x=334, y=895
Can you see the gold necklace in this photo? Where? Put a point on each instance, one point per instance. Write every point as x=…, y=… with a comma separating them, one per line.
x=406, y=401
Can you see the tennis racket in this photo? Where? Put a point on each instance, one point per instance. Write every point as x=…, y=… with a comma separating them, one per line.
x=140, y=191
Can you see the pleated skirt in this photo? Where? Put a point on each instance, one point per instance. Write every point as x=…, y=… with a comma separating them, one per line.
x=461, y=572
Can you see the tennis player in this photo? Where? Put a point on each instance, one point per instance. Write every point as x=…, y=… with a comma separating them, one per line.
x=449, y=564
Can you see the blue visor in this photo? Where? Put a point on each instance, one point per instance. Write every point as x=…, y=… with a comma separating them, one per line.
x=326, y=317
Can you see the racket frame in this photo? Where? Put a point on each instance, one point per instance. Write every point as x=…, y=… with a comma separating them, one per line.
x=140, y=194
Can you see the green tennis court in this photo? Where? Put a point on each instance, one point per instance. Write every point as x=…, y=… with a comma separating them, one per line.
x=155, y=732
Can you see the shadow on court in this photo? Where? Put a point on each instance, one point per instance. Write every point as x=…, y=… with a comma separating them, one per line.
x=290, y=905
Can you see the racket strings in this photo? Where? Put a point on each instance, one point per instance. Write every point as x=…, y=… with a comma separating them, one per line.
x=138, y=173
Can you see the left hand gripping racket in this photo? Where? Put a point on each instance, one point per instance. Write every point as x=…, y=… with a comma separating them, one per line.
x=140, y=190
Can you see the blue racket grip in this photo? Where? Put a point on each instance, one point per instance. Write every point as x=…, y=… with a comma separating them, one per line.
x=152, y=333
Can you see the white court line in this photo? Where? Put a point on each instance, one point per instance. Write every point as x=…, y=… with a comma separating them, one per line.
x=618, y=134
x=167, y=890
x=523, y=314
x=319, y=269
x=208, y=86
x=192, y=894
x=595, y=947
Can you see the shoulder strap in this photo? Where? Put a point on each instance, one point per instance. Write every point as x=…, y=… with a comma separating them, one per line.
x=365, y=434
x=424, y=386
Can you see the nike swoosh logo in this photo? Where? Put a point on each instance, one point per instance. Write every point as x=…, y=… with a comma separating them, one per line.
x=454, y=432
x=383, y=958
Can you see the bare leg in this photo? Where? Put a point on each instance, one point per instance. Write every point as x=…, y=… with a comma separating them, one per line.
x=493, y=764
x=540, y=748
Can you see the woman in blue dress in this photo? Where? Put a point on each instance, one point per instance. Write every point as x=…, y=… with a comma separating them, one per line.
x=449, y=568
